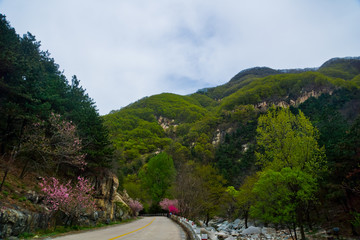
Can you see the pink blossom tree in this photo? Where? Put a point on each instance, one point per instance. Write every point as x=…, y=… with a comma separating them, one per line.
x=52, y=144
x=170, y=205
x=73, y=201
x=65, y=145
x=135, y=206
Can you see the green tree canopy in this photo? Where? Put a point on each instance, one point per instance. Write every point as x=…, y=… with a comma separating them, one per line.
x=288, y=140
x=292, y=163
x=32, y=87
x=157, y=176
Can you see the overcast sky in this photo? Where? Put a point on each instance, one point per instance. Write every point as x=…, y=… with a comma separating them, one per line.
x=123, y=50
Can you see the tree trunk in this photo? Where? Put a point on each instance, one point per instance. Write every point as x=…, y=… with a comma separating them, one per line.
x=308, y=219
x=6, y=135
x=302, y=231
x=207, y=219
x=300, y=221
x=24, y=169
x=349, y=209
x=246, y=216
x=289, y=227
x=3, y=180
x=294, y=226
x=7, y=168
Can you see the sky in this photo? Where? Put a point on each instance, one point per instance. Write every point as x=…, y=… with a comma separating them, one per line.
x=124, y=50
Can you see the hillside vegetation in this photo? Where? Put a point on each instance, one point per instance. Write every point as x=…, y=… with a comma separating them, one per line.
x=277, y=146
x=217, y=128
x=51, y=138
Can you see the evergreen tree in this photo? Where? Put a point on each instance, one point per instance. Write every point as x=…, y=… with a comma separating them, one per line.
x=32, y=87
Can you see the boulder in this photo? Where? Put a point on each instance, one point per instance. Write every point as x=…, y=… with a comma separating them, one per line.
x=225, y=226
x=251, y=230
x=230, y=238
x=33, y=197
x=237, y=224
x=16, y=221
x=222, y=235
x=234, y=233
x=210, y=229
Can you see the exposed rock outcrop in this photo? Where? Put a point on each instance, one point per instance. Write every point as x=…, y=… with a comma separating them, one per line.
x=291, y=102
x=220, y=135
x=166, y=123
x=16, y=221
x=111, y=206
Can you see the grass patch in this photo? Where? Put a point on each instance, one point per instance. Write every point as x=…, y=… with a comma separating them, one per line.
x=8, y=185
x=22, y=199
x=21, y=185
x=26, y=235
x=15, y=196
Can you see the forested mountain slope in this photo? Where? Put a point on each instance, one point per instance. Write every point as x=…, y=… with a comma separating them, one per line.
x=153, y=123
x=218, y=128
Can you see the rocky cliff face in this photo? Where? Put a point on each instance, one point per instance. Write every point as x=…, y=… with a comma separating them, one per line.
x=290, y=102
x=111, y=207
x=220, y=133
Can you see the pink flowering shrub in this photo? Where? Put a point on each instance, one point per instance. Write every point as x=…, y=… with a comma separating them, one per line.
x=73, y=201
x=56, y=194
x=170, y=205
x=173, y=209
x=135, y=206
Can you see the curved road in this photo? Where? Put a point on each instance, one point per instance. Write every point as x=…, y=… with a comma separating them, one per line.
x=148, y=228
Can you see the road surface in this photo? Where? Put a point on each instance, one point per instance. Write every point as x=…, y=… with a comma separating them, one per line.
x=147, y=228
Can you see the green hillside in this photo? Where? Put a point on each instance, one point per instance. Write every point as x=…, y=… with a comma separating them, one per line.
x=184, y=118
x=345, y=68
x=218, y=127
x=157, y=122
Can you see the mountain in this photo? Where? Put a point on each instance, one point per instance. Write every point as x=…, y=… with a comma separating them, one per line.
x=218, y=128
x=346, y=68
x=207, y=116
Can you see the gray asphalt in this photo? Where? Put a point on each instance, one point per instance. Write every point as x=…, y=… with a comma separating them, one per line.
x=147, y=228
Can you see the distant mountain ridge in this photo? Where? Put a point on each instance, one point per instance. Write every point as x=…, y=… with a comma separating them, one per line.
x=257, y=72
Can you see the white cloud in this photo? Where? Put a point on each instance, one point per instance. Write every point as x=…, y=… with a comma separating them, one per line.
x=125, y=50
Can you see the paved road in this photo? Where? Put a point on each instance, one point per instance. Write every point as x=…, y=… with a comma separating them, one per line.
x=147, y=228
